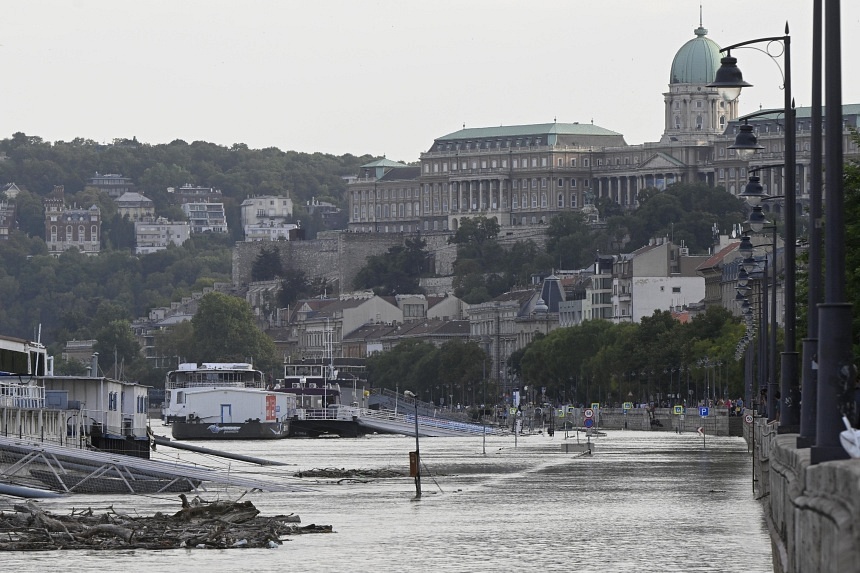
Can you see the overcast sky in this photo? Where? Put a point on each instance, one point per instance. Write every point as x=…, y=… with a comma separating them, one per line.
x=382, y=77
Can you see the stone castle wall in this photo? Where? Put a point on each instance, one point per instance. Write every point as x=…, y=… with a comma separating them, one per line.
x=335, y=256
x=338, y=256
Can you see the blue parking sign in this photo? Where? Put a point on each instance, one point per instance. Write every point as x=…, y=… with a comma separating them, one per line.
x=703, y=411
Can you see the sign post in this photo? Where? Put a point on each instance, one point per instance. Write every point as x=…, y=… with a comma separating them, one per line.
x=703, y=412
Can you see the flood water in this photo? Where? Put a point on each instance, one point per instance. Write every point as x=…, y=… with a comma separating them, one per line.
x=643, y=502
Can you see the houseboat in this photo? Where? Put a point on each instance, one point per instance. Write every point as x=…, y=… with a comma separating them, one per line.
x=224, y=401
x=230, y=413
x=207, y=375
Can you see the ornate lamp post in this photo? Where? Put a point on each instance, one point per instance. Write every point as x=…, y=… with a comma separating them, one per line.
x=729, y=81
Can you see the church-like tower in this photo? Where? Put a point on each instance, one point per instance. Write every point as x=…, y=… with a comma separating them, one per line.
x=693, y=111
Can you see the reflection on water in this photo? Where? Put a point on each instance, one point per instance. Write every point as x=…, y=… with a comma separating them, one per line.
x=643, y=502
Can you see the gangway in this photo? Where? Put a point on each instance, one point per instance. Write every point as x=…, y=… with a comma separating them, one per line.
x=387, y=421
x=74, y=470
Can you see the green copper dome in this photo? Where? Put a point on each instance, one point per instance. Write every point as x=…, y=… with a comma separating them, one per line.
x=697, y=60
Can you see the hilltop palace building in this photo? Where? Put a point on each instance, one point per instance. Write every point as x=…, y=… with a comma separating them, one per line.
x=523, y=175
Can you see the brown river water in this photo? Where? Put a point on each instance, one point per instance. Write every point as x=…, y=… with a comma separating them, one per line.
x=643, y=502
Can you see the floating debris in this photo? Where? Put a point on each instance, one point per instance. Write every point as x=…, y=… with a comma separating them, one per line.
x=199, y=524
x=342, y=475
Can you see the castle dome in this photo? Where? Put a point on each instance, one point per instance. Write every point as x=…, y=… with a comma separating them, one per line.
x=697, y=61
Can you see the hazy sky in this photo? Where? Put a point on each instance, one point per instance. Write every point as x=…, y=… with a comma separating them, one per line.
x=378, y=77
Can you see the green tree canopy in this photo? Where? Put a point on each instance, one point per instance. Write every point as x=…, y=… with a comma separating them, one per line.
x=225, y=331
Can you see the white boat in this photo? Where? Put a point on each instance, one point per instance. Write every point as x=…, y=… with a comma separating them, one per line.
x=230, y=413
x=206, y=375
x=224, y=400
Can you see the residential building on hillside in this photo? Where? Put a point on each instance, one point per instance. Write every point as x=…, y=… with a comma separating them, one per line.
x=10, y=190
x=271, y=231
x=266, y=209
x=371, y=338
x=658, y=276
x=712, y=271
x=189, y=193
x=71, y=227
x=79, y=350
x=136, y=207
x=328, y=211
x=7, y=219
x=153, y=236
x=114, y=184
x=206, y=217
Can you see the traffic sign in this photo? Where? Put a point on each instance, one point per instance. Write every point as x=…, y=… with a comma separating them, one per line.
x=703, y=411
x=748, y=418
x=595, y=405
x=628, y=405
x=588, y=422
x=679, y=410
x=589, y=413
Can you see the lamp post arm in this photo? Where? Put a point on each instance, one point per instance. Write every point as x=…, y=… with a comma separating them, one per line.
x=758, y=41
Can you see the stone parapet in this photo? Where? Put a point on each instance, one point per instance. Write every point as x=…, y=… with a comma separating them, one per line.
x=812, y=511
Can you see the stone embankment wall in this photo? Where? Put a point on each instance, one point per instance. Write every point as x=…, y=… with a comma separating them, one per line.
x=715, y=424
x=812, y=511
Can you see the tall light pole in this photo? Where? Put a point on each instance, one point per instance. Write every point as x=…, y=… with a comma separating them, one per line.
x=808, y=387
x=834, y=315
x=729, y=82
x=409, y=394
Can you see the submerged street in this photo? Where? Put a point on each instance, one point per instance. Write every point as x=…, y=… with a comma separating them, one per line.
x=644, y=501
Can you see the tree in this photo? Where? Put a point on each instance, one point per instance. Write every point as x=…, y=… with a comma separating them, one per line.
x=396, y=272
x=117, y=346
x=472, y=236
x=225, y=330
x=267, y=265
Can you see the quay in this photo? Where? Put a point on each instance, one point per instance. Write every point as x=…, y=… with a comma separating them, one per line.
x=812, y=511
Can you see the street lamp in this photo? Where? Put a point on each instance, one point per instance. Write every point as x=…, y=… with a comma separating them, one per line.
x=409, y=394
x=729, y=81
x=834, y=317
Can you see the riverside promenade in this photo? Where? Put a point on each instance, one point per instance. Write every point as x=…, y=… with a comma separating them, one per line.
x=812, y=511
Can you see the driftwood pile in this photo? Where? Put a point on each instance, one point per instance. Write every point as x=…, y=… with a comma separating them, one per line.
x=199, y=524
x=342, y=475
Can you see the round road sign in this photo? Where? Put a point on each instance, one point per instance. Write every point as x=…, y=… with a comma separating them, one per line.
x=589, y=422
x=748, y=418
x=589, y=413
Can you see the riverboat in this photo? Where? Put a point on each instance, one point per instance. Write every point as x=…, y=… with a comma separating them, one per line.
x=319, y=411
x=225, y=401
x=206, y=375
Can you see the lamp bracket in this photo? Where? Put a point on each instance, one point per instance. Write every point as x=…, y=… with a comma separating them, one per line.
x=781, y=41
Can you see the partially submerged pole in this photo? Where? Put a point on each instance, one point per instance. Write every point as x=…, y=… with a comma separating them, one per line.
x=162, y=441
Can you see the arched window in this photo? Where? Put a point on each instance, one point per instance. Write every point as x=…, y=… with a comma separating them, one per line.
x=543, y=200
x=561, y=199
x=534, y=200
x=573, y=199
x=516, y=201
